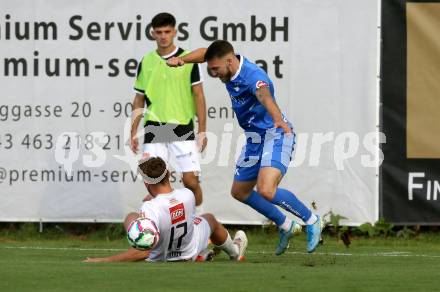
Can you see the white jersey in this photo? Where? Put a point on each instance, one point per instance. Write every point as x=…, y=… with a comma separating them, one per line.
x=174, y=215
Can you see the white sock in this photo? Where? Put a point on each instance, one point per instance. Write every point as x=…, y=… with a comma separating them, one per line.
x=286, y=225
x=229, y=247
x=312, y=219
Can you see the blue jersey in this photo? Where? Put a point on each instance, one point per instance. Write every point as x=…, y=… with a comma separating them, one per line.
x=251, y=114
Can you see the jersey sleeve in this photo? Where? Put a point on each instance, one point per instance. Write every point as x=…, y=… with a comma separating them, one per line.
x=147, y=210
x=196, y=74
x=258, y=79
x=139, y=83
x=190, y=197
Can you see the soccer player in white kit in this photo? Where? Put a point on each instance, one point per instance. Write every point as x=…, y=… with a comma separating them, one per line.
x=183, y=235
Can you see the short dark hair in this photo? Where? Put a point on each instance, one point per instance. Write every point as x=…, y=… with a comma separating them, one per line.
x=154, y=167
x=163, y=19
x=218, y=49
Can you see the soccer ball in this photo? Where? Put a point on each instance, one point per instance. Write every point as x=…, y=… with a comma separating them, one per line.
x=143, y=234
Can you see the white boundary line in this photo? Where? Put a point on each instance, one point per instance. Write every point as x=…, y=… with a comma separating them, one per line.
x=61, y=248
x=375, y=254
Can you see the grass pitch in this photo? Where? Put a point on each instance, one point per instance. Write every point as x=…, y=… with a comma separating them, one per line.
x=376, y=264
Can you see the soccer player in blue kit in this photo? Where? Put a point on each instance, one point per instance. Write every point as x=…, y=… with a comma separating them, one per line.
x=269, y=145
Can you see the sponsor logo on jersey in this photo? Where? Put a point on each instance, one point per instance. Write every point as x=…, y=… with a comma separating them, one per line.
x=177, y=213
x=261, y=84
x=197, y=220
x=237, y=99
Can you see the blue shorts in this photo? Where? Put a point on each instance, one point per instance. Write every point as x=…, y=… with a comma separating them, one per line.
x=274, y=149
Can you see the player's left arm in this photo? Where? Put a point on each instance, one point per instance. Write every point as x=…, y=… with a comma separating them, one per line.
x=265, y=98
x=130, y=255
x=199, y=99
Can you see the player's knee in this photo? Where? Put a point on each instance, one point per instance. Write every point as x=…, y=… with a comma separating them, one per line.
x=266, y=191
x=211, y=220
x=130, y=218
x=209, y=217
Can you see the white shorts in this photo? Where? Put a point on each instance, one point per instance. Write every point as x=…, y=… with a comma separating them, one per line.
x=202, y=233
x=185, y=154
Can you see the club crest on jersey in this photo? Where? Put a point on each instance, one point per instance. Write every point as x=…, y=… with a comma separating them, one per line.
x=197, y=220
x=261, y=84
x=177, y=213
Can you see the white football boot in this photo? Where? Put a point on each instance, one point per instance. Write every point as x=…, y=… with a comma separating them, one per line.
x=240, y=239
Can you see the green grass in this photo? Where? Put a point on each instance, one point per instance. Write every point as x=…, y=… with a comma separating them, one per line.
x=375, y=264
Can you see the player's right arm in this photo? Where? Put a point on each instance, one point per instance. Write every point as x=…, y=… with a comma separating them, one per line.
x=136, y=116
x=196, y=56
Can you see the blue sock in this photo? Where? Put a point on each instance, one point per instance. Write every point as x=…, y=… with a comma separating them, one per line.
x=289, y=202
x=264, y=207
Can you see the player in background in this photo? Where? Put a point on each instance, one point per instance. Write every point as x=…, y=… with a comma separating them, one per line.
x=183, y=235
x=270, y=141
x=172, y=98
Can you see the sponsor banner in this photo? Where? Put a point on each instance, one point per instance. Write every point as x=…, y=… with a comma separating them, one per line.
x=410, y=192
x=67, y=72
